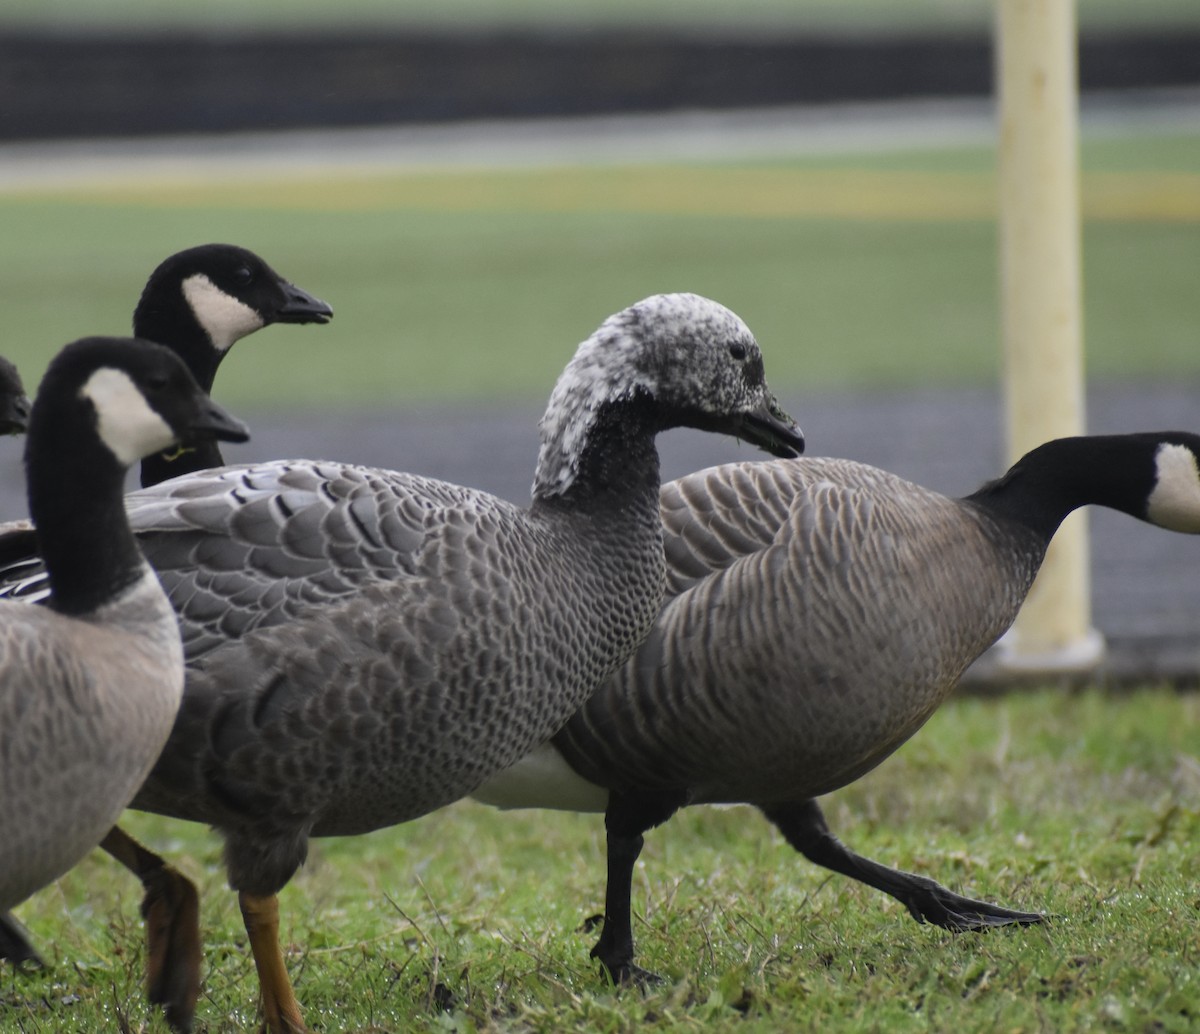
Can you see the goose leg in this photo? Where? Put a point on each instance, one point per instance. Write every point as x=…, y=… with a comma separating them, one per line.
x=14, y=942
x=628, y=816
x=805, y=828
x=171, y=910
x=281, y=1011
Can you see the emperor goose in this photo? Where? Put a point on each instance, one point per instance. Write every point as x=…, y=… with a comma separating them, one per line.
x=90, y=683
x=818, y=612
x=14, y=404
x=365, y=646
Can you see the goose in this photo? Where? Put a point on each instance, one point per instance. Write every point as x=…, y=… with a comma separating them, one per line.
x=14, y=419
x=90, y=683
x=364, y=646
x=818, y=612
x=14, y=404
x=198, y=302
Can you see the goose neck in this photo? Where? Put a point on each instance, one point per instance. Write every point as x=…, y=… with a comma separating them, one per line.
x=1040, y=489
x=607, y=460
x=172, y=323
x=89, y=552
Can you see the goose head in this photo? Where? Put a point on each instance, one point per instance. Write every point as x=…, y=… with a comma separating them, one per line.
x=136, y=397
x=14, y=403
x=680, y=360
x=202, y=300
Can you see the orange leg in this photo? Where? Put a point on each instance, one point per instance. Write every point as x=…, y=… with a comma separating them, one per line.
x=281, y=1011
x=171, y=909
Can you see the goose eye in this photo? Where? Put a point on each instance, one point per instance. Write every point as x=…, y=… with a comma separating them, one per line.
x=737, y=350
x=242, y=275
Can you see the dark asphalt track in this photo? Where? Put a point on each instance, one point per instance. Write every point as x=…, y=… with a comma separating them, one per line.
x=1146, y=581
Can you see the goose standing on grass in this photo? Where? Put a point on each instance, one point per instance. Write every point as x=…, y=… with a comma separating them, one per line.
x=198, y=302
x=90, y=683
x=366, y=646
x=818, y=612
x=14, y=403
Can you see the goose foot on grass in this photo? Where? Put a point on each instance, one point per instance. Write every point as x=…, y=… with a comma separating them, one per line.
x=804, y=827
x=171, y=910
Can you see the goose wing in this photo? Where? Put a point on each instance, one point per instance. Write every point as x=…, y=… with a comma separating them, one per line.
x=717, y=516
x=794, y=666
x=245, y=547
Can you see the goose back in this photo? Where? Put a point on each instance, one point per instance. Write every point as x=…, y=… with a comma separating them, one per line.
x=799, y=589
x=477, y=611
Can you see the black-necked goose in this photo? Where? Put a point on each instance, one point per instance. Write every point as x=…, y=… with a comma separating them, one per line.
x=14, y=404
x=199, y=303
x=818, y=612
x=90, y=683
x=365, y=646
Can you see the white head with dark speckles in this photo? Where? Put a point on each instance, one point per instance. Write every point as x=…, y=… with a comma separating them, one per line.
x=692, y=357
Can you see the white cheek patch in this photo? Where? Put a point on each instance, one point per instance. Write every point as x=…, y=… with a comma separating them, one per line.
x=1175, y=502
x=124, y=420
x=224, y=318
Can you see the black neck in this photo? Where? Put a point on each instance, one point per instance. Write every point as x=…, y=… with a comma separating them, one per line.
x=169, y=320
x=1046, y=484
x=619, y=463
x=89, y=552
x=166, y=465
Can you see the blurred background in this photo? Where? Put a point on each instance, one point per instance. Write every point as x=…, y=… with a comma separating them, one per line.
x=474, y=186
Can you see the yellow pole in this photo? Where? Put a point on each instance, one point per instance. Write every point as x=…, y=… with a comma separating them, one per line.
x=1040, y=295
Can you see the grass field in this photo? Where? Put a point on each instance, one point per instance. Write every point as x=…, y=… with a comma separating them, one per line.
x=686, y=15
x=1080, y=804
x=466, y=283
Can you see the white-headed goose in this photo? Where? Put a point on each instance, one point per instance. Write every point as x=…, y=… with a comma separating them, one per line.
x=90, y=683
x=365, y=646
x=818, y=612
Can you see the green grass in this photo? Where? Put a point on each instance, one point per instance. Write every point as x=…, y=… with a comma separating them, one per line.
x=875, y=270
x=1082, y=804
x=686, y=15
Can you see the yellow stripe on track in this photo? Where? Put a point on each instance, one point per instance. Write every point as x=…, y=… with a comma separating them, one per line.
x=717, y=192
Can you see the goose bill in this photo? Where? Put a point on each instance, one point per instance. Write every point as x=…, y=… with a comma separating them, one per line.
x=301, y=307
x=14, y=416
x=771, y=429
x=213, y=422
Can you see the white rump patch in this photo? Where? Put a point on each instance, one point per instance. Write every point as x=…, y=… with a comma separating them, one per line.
x=1175, y=501
x=542, y=779
x=224, y=318
x=124, y=419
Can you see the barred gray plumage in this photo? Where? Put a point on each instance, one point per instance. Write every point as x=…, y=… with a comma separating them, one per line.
x=818, y=612
x=364, y=646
